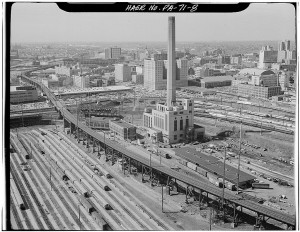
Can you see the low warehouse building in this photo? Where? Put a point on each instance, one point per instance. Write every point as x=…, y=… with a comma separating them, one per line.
x=216, y=81
x=214, y=166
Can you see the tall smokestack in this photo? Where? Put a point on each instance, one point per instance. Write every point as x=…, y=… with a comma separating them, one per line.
x=171, y=85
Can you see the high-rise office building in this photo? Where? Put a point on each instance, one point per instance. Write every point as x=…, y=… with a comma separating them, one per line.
x=267, y=56
x=122, y=72
x=281, y=46
x=287, y=45
x=112, y=53
x=155, y=73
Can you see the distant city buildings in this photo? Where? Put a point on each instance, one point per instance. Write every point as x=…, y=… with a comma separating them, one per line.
x=122, y=72
x=236, y=59
x=155, y=73
x=260, y=77
x=81, y=81
x=138, y=78
x=21, y=94
x=112, y=53
x=223, y=59
x=67, y=70
x=49, y=83
x=267, y=56
x=14, y=54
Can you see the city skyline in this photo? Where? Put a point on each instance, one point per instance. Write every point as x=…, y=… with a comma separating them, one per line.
x=259, y=22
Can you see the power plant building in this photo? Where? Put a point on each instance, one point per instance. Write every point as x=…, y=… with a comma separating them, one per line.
x=173, y=119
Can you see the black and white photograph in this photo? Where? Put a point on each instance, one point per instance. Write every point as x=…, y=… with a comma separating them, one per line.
x=150, y=116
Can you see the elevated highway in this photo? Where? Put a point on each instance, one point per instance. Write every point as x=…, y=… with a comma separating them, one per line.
x=236, y=200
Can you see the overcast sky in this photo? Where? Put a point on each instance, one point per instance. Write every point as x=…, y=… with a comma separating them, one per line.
x=45, y=22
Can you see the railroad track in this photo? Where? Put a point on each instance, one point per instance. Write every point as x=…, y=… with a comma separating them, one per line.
x=14, y=212
x=38, y=203
x=258, y=125
x=115, y=219
x=30, y=204
x=118, y=207
x=61, y=197
x=143, y=209
x=47, y=194
x=115, y=198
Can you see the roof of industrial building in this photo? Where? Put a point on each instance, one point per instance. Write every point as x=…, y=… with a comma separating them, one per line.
x=256, y=71
x=74, y=91
x=217, y=78
x=212, y=164
x=197, y=89
x=122, y=123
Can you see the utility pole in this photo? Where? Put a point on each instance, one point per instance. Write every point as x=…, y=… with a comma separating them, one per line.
x=260, y=128
x=162, y=198
x=239, y=161
x=223, y=192
x=209, y=218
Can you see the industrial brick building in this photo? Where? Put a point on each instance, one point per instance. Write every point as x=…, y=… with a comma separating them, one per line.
x=123, y=129
x=216, y=81
x=258, y=91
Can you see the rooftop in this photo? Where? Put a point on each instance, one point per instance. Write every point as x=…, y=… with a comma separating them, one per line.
x=217, y=78
x=114, y=88
x=212, y=164
x=122, y=123
x=197, y=89
x=256, y=71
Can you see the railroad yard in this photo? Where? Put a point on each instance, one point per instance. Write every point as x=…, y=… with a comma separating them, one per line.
x=58, y=183
x=51, y=184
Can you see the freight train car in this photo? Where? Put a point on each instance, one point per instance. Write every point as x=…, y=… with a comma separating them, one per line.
x=202, y=171
x=86, y=204
x=260, y=185
x=100, y=221
x=17, y=194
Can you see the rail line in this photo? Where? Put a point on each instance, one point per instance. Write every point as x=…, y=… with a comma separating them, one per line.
x=245, y=122
x=114, y=199
x=121, y=188
x=60, y=195
x=56, y=219
x=30, y=204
